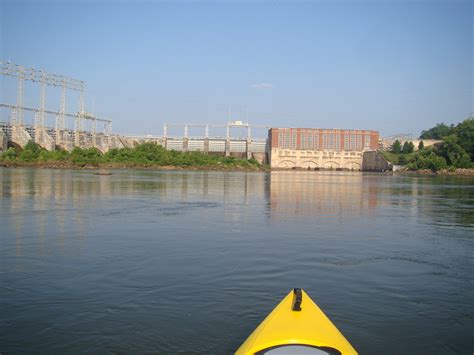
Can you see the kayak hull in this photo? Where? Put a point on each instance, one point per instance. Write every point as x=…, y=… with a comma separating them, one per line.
x=296, y=321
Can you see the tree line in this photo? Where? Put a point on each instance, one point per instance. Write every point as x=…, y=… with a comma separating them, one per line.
x=143, y=155
x=456, y=149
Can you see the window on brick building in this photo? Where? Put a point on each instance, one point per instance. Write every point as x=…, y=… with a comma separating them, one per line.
x=310, y=140
x=352, y=142
x=293, y=139
x=303, y=142
x=286, y=143
x=346, y=142
x=331, y=141
x=359, y=141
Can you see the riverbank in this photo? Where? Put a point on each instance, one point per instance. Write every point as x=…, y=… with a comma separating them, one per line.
x=218, y=167
x=113, y=166
x=144, y=156
x=443, y=172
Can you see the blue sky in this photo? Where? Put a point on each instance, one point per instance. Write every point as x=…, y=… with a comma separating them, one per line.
x=393, y=66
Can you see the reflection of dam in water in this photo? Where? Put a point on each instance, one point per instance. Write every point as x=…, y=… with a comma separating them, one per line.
x=58, y=208
x=45, y=205
x=323, y=193
x=84, y=187
x=287, y=194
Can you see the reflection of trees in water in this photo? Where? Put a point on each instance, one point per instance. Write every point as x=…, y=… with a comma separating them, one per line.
x=62, y=205
x=40, y=207
x=298, y=193
x=461, y=204
x=17, y=216
x=444, y=199
x=222, y=186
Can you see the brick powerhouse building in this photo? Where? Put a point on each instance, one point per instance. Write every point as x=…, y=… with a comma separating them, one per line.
x=320, y=148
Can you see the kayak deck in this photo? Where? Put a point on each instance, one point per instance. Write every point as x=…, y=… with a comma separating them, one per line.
x=296, y=326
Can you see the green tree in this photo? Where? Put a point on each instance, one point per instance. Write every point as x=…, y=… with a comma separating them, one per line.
x=53, y=155
x=407, y=147
x=421, y=145
x=454, y=154
x=85, y=156
x=148, y=154
x=9, y=155
x=402, y=160
x=30, y=152
x=465, y=133
x=438, y=132
x=396, y=147
x=428, y=159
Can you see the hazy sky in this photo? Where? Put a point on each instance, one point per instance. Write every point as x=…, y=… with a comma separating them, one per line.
x=393, y=66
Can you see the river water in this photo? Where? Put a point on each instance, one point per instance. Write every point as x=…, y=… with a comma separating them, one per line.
x=191, y=262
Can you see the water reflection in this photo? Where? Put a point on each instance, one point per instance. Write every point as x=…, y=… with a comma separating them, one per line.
x=442, y=200
x=60, y=207
x=63, y=199
x=306, y=194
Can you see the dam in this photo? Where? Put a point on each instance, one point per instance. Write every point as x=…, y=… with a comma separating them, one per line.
x=281, y=148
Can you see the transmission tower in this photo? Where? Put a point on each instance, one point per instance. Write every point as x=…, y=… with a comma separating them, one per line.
x=44, y=78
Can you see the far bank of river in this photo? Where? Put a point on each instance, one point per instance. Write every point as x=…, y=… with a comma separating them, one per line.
x=223, y=167
x=72, y=166
x=444, y=172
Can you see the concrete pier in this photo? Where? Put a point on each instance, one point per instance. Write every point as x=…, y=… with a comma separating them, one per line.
x=248, y=144
x=3, y=141
x=43, y=138
x=64, y=140
x=375, y=161
x=120, y=142
x=20, y=135
x=77, y=139
x=227, y=147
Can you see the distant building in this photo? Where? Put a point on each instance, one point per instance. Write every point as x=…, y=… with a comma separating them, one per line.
x=387, y=142
x=317, y=148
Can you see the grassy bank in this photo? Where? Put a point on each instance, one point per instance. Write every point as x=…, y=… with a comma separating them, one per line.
x=146, y=155
x=398, y=158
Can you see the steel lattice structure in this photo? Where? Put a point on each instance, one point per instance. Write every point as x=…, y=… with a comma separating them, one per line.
x=85, y=115
x=44, y=78
x=228, y=126
x=40, y=76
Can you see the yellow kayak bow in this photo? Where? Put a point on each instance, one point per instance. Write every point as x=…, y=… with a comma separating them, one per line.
x=296, y=326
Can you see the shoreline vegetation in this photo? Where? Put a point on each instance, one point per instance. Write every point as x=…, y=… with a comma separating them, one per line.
x=443, y=172
x=143, y=156
x=453, y=155
x=224, y=167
